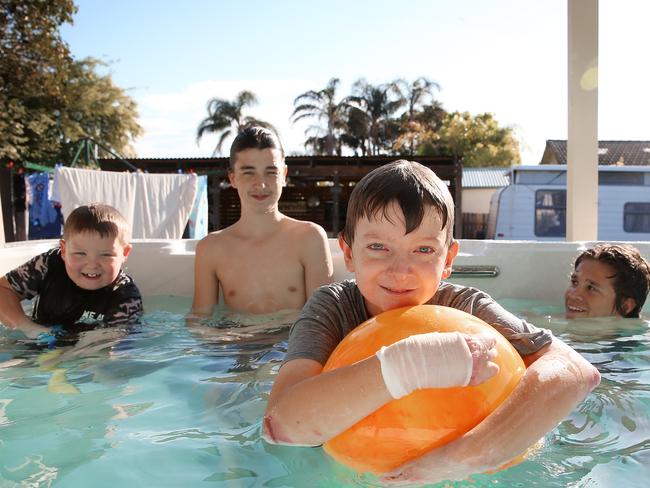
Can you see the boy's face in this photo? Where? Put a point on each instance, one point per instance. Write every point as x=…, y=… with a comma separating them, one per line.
x=591, y=291
x=91, y=261
x=394, y=269
x=258, y=176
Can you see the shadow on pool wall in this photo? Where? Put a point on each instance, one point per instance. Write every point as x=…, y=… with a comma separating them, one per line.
x=504, y=269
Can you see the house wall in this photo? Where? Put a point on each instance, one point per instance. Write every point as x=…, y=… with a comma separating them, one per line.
x=477, y=200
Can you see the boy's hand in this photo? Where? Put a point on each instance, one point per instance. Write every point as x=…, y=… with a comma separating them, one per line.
x=437, y=360
x=31, y=329
x=481, y=347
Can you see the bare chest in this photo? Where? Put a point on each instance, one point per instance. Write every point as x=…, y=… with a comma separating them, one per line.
x=262, y=277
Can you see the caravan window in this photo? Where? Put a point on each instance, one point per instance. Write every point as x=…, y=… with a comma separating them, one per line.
x=550, y=213
x=636, y=217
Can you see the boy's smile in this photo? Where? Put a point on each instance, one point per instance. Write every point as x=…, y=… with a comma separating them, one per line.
x=394, y=269
x=91, y=261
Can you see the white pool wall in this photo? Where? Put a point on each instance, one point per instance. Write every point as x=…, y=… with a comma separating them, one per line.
x=527, y=269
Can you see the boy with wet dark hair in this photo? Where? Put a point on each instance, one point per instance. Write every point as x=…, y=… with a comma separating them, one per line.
x=398, y=243
x=265, y=262
x=608, y=280
x=79, y=285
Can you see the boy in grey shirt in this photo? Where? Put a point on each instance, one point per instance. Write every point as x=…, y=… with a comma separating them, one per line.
x=398, y=242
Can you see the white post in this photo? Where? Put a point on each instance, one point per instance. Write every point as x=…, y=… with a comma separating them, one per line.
x=582, y=144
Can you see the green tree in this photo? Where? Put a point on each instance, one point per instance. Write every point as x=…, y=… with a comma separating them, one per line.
x=422, y=112
x=35, y=62
x=322, y=106
x=226, y=117
x=422, y=127
x=98, y=109
x=47, y=99
x=477, y=139
x=378, y=104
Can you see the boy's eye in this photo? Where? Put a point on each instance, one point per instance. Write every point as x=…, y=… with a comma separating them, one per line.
x=79, y=253
x=425, y=250
x=375, y=246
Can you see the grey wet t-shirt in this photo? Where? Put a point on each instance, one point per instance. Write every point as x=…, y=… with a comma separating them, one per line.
x=334, y=310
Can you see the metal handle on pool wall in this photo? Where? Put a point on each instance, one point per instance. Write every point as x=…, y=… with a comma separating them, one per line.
x=475, y=271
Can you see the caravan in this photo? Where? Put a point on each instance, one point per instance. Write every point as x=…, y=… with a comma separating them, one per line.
x=533, y=205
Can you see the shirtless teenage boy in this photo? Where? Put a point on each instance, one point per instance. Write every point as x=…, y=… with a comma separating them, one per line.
x=266, y=261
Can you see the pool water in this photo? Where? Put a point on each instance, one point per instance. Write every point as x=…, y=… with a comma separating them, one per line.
x=173, y=406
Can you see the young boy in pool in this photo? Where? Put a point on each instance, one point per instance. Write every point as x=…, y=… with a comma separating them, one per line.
x=608, y=280
x=265, y=262
x=398, y=242
x=79, y=285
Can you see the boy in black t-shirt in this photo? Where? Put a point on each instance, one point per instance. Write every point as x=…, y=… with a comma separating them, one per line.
x=78, y=286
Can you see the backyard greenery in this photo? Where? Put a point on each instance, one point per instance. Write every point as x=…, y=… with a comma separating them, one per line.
x=49, y=100
x=398, y=118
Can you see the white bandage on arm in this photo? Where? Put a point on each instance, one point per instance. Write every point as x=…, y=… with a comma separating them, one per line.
x=432, y=360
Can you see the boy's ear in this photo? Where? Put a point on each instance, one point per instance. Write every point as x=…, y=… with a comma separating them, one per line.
x=347, y=253
x=127, y=250
x=452, y=252
x=286, y=173
x=231, y=178
x=628, y=305
x=62, y=246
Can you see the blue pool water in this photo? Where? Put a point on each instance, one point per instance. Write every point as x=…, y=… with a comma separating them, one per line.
x=169, y=406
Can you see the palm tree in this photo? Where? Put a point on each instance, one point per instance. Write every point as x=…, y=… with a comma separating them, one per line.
x=416, y=94
x=224, y=115
x=419, y=98
x=322, y=106
x=378, y=104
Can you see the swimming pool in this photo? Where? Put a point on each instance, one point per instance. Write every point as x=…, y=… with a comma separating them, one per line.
x=172, y=406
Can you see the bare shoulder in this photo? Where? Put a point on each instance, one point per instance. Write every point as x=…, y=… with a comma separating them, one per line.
x=303, y=230
x=214, y=241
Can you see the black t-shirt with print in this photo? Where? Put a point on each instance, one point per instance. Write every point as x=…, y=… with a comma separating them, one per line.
x=60, y=301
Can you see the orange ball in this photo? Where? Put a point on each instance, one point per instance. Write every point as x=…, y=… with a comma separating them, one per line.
x=405, y=429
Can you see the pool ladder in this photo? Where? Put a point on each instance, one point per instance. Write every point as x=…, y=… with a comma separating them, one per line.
x=475, y=271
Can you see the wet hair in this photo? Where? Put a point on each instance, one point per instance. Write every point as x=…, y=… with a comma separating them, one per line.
x=411, y=185
x=254, y=137
x=97, y=217
x=632, y=273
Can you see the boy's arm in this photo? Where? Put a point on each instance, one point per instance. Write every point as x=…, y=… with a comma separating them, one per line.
x=556, y=381
x=206, y=284
x=317, y=259
x=308, y=407
x=12, y=314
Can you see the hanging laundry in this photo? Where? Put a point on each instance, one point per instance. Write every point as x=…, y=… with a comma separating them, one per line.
x=157, y=205
x=163, y=205
x=76, y=187
x=198, y=223
x=45, y=218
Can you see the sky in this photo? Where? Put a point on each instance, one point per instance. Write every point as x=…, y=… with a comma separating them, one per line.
x=506, y=57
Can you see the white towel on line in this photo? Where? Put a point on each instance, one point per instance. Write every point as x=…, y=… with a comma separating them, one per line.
x=75, y=187
x=156, y=205
x=163, y=205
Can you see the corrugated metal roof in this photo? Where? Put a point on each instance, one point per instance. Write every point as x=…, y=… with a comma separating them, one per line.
x=610, y=153
x=485, y=177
